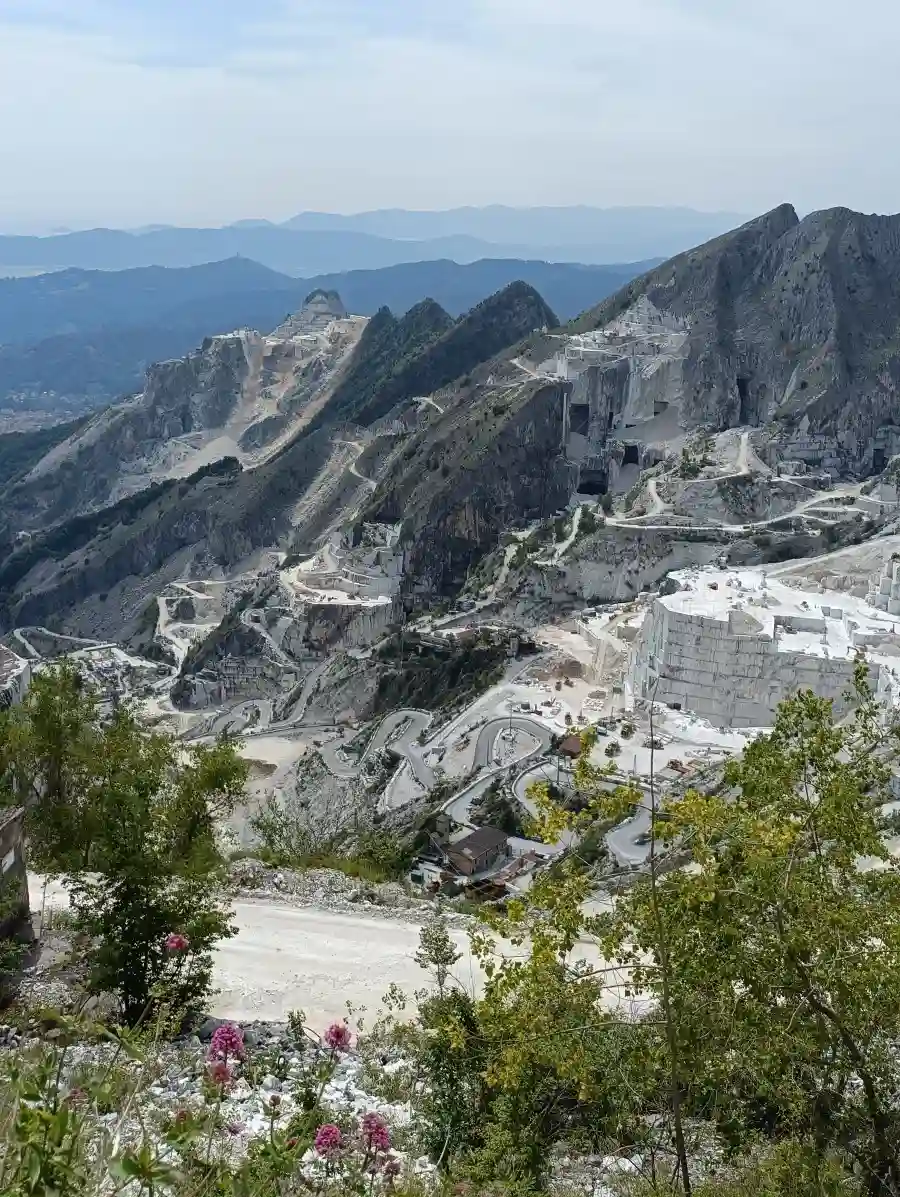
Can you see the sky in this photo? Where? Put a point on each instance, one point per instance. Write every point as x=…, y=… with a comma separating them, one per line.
x=201, y=112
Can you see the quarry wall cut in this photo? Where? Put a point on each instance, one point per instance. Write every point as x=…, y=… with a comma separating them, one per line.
x=730, y=645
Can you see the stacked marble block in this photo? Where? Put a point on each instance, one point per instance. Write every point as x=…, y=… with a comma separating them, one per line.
x=885, y=592
x=728, y=670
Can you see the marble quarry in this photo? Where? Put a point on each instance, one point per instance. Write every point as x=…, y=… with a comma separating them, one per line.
x=730, y=645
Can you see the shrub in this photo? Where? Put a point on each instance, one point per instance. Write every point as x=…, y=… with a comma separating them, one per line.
x=128, y=819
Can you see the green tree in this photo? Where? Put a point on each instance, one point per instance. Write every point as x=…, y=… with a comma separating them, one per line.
x=49, y=750
x=778, y=953
x=128, y=818
x=437, y=952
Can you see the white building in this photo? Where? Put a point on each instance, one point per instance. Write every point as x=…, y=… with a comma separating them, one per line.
x=729, y=645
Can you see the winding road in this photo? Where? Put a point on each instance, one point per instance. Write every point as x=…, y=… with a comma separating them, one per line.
x=403, y=741
x=360, y=449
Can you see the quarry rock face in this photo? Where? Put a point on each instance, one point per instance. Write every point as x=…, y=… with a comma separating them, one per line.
x=788, y=324
x=91, y=468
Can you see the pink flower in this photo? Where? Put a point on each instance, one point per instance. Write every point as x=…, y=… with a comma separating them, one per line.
x=227, y=1041
x=176, y=942
x=219, y=1073
x=329, y=1140
x=338, y=1037
x=375, y=1133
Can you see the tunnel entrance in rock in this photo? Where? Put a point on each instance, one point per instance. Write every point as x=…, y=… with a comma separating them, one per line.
x=578, y=420
x=592, y=484
x=632, y=455
x=879, y=460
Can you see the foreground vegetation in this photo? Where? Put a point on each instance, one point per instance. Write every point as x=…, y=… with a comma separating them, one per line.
x=729, y=1030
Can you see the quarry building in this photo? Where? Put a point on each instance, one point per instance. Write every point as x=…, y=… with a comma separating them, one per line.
x=730, y=645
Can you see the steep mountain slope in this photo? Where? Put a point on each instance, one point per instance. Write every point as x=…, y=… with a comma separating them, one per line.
x=222, y=515
x=787, y=329
x=792, y=324
x=386, y=350
x=491, y=459
x=398, y=360
x=238, y=396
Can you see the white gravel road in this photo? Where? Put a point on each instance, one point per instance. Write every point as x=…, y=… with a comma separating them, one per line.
x=307, y=958
x=285, y=958
x=316, y=960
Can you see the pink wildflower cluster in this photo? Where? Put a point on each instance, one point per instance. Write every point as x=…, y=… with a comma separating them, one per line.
x=338, y=1037
x=375, y=1133
x=329, y=1140
x=227, y=1041
x=176, y=942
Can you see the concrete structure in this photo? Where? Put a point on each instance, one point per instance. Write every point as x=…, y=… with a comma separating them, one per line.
x=729, y=645
x=14, y=906
x=15, y=677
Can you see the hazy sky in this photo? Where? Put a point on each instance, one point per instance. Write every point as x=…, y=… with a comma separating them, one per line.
x=126, y=112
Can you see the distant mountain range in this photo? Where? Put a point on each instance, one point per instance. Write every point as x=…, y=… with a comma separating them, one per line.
x=316, y=243
x=615, y=234
x=73, y=339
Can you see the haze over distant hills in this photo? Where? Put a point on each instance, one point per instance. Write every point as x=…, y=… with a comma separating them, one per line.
x=317, y=243
x=73, y=339
x=615, y=233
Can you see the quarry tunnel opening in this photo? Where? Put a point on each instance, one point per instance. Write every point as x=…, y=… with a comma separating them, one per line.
x=593, y=484
x=579, y=419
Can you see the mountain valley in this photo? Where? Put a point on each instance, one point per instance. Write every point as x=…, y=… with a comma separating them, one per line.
x=355, y=518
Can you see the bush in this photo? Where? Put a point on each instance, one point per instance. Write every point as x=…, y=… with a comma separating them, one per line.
x=128, y=818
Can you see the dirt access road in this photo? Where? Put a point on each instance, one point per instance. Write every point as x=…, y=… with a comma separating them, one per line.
x=306, y=958
x=316, y=960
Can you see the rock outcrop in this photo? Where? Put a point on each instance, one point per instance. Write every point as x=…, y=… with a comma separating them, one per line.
x=239, y=395
x=788, y=323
